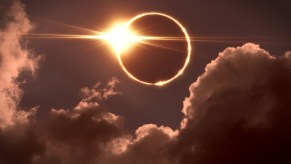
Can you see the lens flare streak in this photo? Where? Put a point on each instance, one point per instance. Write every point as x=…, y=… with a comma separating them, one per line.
x=121, y=37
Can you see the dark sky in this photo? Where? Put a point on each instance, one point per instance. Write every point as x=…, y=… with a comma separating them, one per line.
x=245, y=78
x=72, y=64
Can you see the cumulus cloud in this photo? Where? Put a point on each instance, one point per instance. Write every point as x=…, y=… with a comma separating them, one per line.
x=74, y=136
x=66, y=136
x=238, y=111
x=91, y=134
x=150, y=144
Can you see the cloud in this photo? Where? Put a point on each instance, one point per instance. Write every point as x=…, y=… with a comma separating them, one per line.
x=150, y=144
x=79, y=135
x=97, y=93
x=288, y=54
x=238, y=111
x=14, y=58
x=64, y=136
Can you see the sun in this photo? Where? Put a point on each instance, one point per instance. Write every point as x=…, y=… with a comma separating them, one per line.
x=142, y=39
x=120, y=38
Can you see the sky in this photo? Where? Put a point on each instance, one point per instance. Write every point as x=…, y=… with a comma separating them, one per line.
x=68, y=101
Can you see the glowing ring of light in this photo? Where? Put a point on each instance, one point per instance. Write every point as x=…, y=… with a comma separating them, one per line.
x=187, y=38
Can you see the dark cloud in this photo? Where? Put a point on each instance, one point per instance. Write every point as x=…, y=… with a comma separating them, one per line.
x=18, y=144
x=238, y=112
x=77, y=136
x=64, y=136
x=150, y=144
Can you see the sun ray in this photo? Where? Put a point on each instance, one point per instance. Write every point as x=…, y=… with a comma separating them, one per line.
x=159, y=46
x=121, y=37
x=143, y=39
x=186, y=38
x=67, y=25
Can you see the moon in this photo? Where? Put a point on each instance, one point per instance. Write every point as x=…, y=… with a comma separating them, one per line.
x=123, y=36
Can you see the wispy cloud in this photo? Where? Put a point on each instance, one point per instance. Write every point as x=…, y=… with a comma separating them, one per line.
x=14, y=58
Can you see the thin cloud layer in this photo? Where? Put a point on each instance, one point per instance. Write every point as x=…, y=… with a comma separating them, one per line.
x=98, y=93
x=238, y=111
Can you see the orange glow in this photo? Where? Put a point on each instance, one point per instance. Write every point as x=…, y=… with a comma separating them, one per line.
x=141, y=38
x=120, y=38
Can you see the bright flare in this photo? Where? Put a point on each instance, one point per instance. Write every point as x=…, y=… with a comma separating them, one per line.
x=143, y=39
x=121, y=38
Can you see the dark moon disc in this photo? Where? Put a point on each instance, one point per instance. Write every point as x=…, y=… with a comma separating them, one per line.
x=154, y=61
